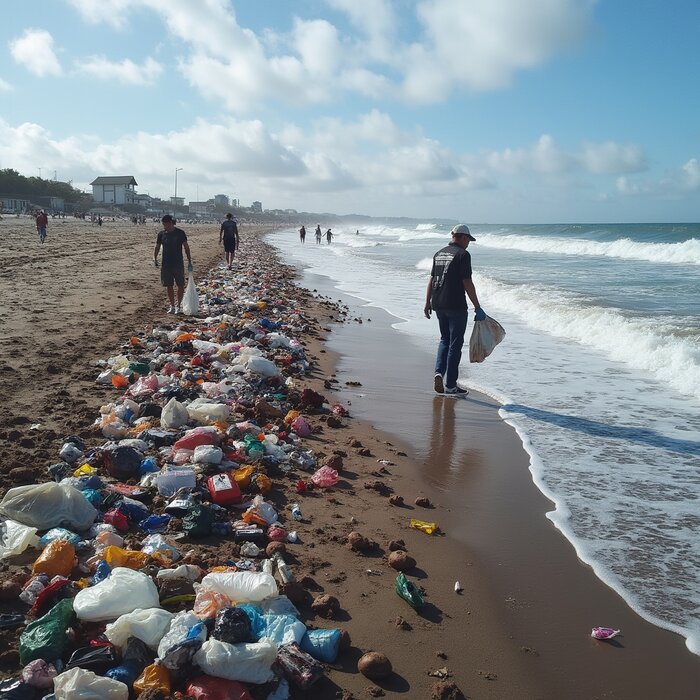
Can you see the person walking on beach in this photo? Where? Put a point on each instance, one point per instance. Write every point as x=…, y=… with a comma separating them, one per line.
x=302, y=234
x=228, y=234
x=42, y=221
x=318, y=234
x=450, y=278
x=329, y=235
x=172, y=272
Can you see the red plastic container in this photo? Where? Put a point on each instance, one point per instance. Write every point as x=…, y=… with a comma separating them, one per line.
x=223, y=489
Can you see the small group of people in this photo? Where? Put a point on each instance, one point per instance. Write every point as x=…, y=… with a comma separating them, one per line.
x=302, y=234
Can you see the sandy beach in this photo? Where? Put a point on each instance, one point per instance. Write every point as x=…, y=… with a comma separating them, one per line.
x=521, y=627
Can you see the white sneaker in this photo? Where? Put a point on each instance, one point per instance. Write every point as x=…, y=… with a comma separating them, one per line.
x=178, y=310
x=171, y=310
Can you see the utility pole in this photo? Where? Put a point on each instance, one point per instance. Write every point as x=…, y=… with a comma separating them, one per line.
x=177, y=170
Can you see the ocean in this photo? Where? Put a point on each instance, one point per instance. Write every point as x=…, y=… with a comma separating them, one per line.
x=599, y=374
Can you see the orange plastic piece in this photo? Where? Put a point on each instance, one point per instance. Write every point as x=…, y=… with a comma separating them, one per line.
x=252, y=518
x=291, y=416
x=184, y=337
x=262, y=482
x=116, y=556
x=242, y=476
x=208, y=603
x=134, y=340
x=56, y=560
x=119, y=381
x=154, y=677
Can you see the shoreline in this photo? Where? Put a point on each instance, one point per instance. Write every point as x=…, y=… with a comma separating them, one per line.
x=49, y=354
x=532, y=569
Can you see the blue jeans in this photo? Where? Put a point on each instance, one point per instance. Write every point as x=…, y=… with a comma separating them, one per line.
x=453, y=324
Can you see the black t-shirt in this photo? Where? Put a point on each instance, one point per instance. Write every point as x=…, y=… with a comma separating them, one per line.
x=229, y=228
x=172, y=247
x=451, y=266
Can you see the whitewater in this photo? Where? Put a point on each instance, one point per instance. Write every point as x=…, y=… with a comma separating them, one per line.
x=599, y=375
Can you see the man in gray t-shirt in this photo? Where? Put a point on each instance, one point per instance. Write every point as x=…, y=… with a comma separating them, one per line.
x=173, y=240
x=228, y=235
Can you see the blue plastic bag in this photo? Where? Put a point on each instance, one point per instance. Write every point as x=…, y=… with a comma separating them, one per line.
x=323, y=645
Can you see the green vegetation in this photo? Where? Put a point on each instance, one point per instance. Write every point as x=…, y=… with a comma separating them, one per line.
x=11, y=182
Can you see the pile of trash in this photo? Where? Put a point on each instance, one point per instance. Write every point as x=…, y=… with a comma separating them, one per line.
x=211, y=420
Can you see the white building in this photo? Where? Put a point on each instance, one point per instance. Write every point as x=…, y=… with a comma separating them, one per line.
x=202, y=208
x=114, y=189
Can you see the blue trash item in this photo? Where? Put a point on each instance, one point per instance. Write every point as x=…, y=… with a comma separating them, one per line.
x=148, y=466
x=134, y=510
x=89, y=481
x=59, y=533
x=93, y=496
x=136, y=657
x=323, y=645
x=257, y=623
x=102, y=571
x=155, y=523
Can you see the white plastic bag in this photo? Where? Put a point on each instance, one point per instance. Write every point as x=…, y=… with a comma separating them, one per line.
x=48, y=505
x=241, y=586
x=148, y=625
x=79, y=684
x=186, y=633
x=205, y=411
x=249, y=663
x=15, y=538
x=174, y=414
x=122, y=592
x=259, y=365
x=486, y=335
x=190, y=302
x=207, y=454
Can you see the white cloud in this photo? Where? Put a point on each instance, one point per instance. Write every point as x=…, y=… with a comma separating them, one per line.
x=690, y=173
x=477, y=45
x=125, y=71
x=34, y=50
x=5, y=86
x=613, y=158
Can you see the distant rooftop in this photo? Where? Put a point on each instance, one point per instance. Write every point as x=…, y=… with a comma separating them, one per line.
x=115, y=180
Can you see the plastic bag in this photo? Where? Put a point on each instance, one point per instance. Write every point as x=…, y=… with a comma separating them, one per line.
x=122, y=462
x=116, y=557
x=174, y=414
x=39, y=674
x=190, y=301
x=59, y=533
x=208, y=688
x=184, y=637
x=48, y=505
x=198, y=521
x=78, y=684
x=241, y=586
x=135, y=659
x=56, y=560
x=147, y=625
x=485, y=336
x=208, y=603
x=259, y=365
x=206, y=411
x=154, y=677
x=322, y=644
x=409, y=591
x=325, y=477
x=46, y=637
x=282, y=629
x=16, y=689
x=95, y=659
x=249, y=663
x=15, y=538
x=233, y=626
x=423, y=526
x=207, y=454
x=204, y=435
x=301, y=427
x=122, y=592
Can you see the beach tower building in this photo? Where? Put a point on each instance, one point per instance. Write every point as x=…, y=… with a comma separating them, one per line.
x=114, y=189
x=221, y=200
x=257, y=207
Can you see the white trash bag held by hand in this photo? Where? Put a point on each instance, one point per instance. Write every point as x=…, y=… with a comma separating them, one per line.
x=190, y=302
x=486, y=335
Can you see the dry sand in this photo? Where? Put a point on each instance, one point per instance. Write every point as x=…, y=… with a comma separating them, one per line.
x=80, y=296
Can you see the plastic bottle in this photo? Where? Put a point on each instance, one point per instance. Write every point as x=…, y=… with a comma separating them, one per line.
x=296, y=511
x=283, y=568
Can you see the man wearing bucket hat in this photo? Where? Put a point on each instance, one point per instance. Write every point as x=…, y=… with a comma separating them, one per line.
x=450, y=278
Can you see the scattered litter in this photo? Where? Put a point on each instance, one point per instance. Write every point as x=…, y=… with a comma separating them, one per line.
x=604, y=633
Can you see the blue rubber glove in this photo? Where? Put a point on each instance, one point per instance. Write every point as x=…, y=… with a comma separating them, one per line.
x=189, y=267
x=479, y=315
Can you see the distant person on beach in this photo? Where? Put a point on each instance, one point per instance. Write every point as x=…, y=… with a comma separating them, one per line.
x=172, y=272
x=99, y=220
x=228, y=234
x=302, y=234
x=329, y=235
x=318, y=234
x=42, y=221
x=450, y=278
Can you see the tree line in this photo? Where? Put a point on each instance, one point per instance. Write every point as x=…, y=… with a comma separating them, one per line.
x=11, y=182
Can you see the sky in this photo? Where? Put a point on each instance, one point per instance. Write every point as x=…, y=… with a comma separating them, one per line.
x=484, y=111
